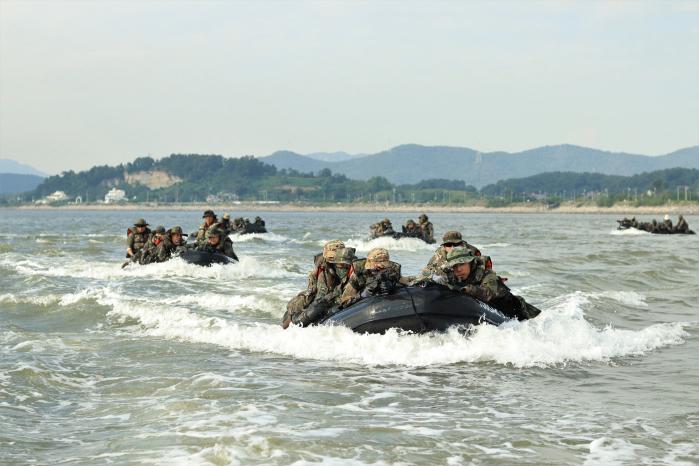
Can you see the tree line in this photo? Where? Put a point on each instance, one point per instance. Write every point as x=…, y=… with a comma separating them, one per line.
x=247, y=178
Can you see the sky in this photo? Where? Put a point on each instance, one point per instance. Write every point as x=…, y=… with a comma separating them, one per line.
x=86, y=83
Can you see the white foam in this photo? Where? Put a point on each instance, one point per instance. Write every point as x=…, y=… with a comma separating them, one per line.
x=386, y=242
x=560, y=335
x=629, y=232
x=79, y=268
x=611, y=451
x=631, y=298
x=259, y=237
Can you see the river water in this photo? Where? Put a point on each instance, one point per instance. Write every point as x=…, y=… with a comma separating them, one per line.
x=177, y=364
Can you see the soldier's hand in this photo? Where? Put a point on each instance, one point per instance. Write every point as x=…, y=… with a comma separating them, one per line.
x=470, y=289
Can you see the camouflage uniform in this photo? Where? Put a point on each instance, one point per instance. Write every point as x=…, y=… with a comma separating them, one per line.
x=341, y=270
x=321, y=283
x=135, y=240
x=379, y=276
x=682, y=225
x=147, y=254
x=427, y=228
x=202, y=233
x=485, y=285
x=225, y=225
x=224, y=246
x=412, y=230
x=437, y=264
x=167, y=248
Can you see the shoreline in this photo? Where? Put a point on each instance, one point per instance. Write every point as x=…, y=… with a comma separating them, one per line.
x=685, y=209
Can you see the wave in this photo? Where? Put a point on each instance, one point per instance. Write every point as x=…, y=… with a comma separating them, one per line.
x=629, y=232
x=403, y=244
x=79, y=268
x=558, y=336
x=273, y=237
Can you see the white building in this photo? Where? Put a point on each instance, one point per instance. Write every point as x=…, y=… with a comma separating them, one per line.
x=114, y=195
x=58, y=196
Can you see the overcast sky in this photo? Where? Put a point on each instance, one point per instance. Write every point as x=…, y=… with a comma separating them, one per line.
x=85, y=83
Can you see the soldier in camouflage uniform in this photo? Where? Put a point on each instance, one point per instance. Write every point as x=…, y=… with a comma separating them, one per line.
x=322, y=280
x=411, y=229
x=468, y=274
x=225, y=225
x=216, y=242
x=209, y=223
x=437, y=264
x=147, y=254
x=172, y=244
x=137, y=238
x=427, y=229
x=380, y=276
x=322, y=304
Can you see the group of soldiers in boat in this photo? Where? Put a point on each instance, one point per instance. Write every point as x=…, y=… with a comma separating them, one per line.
x=423, y=229
x=339, y=278
x=662, y=228
x=146, y=246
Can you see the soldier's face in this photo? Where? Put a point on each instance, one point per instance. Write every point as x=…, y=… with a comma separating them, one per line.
x=140, y=229
x=176, y=238
x=462, y=271
x=213, y=240
x=449, y=246
x=208, y=220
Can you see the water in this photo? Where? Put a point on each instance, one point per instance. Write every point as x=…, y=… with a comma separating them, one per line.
x=177, y=364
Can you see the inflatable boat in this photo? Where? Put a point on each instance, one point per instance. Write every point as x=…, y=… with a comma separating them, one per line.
x=416, y=309
x=204, y=258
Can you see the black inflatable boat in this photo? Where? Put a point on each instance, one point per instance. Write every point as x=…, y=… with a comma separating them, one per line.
x=399, y=235
x=415, y=309
x=204, y=258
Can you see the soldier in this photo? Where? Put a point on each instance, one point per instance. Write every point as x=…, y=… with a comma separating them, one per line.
x=239, y=225
x=209, y=221
x=411, y=229
x=682, y=226
x=321, y=305
x=216, y=242
x=380, y=276
x=147, y=253
x=427, y=229
x=321, y=281
x=667, y=224
x=137, y=238
x=225, y=225
x=437, y=264
x=172, y=244
x=259, y=221
x=468, y=274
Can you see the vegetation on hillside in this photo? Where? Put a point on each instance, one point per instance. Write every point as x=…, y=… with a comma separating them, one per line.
x=213, y=178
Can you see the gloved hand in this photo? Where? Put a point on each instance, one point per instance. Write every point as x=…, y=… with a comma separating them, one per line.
x=471, y=290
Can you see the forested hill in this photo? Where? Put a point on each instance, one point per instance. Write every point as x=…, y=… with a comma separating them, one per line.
x=559, y=182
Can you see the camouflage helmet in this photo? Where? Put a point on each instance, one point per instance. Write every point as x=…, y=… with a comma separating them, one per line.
x=214, y=232
x=410, y=222
x=452, y=237
x=208, y=213
x=344, y=256
x=377, y=258
x=141, y=222
x=159, y=230
x=330, y=248
x=386, y=220
x=176, y=231
x=422, y=218
x=460, y=255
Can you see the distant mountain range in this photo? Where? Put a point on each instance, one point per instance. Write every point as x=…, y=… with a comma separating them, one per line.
x=13, y=183
x=17, y=177
x=413, y=163
x=10, y=166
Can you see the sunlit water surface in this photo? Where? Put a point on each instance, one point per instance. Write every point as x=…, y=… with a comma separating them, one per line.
x=174, y=363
